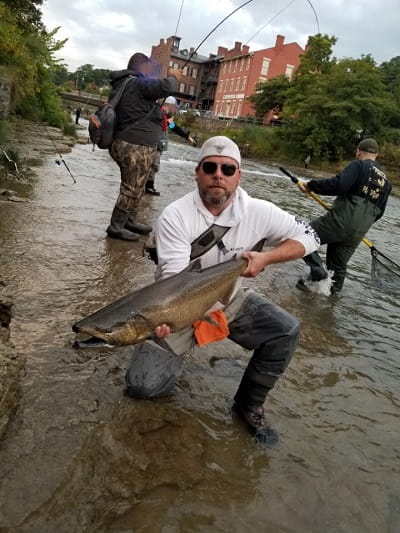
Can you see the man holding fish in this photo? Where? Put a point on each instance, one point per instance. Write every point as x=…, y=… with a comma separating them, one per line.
x=248, y=318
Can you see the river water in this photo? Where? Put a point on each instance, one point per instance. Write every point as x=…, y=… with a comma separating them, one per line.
x=80, y=456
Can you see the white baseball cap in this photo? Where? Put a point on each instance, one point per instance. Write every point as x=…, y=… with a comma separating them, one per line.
x=171, y=100
x=219, y=145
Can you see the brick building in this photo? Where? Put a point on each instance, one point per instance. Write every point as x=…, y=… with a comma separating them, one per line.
x=196, y=89
x=241, y=70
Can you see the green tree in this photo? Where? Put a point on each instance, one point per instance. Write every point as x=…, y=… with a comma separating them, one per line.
x=26, y=11
x=27, y=59
x=269, y=95
x=330, y=100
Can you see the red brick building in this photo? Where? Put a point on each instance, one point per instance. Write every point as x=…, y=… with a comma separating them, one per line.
x=196, y=89
x=241, y=70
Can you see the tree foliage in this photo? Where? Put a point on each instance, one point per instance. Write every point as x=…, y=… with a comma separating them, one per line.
x=330, y=103
x=270, y=95
x=27, y=59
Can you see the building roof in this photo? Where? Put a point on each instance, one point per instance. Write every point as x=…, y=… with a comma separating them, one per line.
x=196, y=58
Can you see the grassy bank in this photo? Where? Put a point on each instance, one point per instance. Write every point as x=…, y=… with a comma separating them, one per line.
x=264, y=144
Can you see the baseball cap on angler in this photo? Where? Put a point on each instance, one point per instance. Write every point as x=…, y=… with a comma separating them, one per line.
x=171, y=100
x=368, y=145
x=219, y=145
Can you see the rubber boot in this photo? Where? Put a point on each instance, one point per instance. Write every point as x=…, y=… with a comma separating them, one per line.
x=132, y=225
x=117, y=230
x=318, y=271
x=248, y=405
x=150, y=189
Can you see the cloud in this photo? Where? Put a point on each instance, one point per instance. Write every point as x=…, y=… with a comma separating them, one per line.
x=105, y=33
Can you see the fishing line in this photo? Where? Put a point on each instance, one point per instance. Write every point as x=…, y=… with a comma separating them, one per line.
x=60, y=156
x=179, y=18
x=213, y=30
x=271, y=19
x=279, y=13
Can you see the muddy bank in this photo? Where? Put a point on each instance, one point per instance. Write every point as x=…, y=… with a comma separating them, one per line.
x=28, y=143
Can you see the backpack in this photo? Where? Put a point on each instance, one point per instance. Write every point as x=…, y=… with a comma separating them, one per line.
x=103, y=121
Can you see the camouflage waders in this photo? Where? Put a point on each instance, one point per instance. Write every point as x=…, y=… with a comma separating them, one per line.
x=135, y=162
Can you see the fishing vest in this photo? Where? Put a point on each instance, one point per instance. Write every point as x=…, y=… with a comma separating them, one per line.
x=210, y=237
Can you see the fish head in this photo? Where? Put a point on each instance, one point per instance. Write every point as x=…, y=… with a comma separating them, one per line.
x=131, y=332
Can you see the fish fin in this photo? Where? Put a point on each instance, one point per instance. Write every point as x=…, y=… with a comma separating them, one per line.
x=258, y=246
x=194, y=266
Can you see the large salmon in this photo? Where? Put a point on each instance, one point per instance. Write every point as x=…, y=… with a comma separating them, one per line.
x=177, y=301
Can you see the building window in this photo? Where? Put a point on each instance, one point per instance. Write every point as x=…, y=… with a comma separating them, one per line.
x=175, y=65
x=185, y=71
x=191, y=89
x=265, y=66
x=289, y=71
x=194, y=73
x=181, y=87
x=170, y=64
x=232, y=84
x=248, y=63
x=243, y=83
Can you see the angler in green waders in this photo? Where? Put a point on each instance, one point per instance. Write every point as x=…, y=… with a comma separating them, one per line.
x=362, y=191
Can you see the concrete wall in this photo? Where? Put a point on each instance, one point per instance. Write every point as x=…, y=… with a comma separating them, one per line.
x=5, y=98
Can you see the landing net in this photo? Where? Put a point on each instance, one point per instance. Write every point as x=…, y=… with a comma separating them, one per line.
x=385, y=272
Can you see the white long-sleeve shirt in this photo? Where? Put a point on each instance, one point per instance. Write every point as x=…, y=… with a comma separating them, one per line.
x=250, y=220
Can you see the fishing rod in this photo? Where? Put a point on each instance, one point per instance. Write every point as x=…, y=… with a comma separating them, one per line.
x=179, y=18
x=60, y=156
x=213, y=30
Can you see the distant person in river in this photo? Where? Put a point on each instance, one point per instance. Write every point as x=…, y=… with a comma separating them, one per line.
x=138, y=131
x=78, y=112
x=362, y=191
x=216, y=221
x=169, y=108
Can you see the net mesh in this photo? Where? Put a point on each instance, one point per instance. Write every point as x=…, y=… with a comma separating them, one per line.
x=385, y=272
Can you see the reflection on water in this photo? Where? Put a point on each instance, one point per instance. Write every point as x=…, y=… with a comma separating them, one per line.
x=82, y=457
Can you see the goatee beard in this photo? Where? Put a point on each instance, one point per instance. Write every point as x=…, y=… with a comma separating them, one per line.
x=211, y=200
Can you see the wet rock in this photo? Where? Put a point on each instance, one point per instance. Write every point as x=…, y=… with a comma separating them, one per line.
x=10, y=364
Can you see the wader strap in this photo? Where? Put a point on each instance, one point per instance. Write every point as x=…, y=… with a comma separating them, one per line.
x=209, y=238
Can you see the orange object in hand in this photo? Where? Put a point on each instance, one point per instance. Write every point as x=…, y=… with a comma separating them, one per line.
x=205, y=332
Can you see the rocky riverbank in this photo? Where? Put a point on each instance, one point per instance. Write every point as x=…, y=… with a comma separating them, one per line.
x=27, y=144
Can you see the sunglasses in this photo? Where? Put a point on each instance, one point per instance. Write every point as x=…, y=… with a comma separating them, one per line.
x=209, y=167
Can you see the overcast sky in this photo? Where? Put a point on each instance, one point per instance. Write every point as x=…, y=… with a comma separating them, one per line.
x=105, y=33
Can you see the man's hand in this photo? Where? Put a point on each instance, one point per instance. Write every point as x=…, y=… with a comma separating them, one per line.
x=162, y=331
x=256, y=263
x=192, y=141
x=303, y=186
x=175, y=72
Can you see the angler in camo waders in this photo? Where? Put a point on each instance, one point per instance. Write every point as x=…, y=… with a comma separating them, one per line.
x=135, y=140
x=362, y=191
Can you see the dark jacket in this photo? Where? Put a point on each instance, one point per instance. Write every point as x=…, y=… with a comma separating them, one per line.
x=139, y=118
x=363, y=179
x=362, y=190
